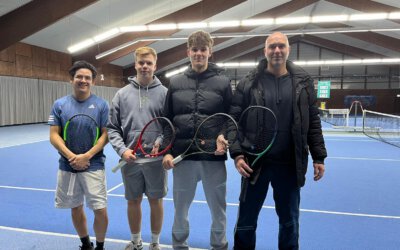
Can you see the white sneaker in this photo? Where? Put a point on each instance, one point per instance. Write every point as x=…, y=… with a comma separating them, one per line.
x=154, y=246
x=134, y=246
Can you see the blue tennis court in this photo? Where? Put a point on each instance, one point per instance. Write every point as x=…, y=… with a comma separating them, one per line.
x=355, y=206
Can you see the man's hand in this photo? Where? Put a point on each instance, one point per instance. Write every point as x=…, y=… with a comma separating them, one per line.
x=80, y=162
x=129, y=156
x=222, y=145
x=242, y=167
x=167, y=162
x=319, y=170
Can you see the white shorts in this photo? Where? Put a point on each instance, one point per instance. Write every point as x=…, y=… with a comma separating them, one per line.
x=90, y=185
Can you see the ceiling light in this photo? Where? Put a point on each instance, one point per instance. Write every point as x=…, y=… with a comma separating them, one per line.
x=175, y=72
x=133, y=28
x=293, y=20
x=257, y=22
x=106, y=35
x=394, y=15
x=224, y=24
x=164, y=26
x=372, y=16
x=332, y=18
x=81, y=45
x=192, y=25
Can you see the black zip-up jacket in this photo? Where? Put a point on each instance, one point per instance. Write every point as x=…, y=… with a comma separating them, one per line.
x=306, y=124
x=191, y=97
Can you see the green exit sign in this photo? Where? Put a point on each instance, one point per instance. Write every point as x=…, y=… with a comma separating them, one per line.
x=324, y=89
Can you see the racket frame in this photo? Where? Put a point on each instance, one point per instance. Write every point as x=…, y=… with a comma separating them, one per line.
x=139, y=146
x=194, y=141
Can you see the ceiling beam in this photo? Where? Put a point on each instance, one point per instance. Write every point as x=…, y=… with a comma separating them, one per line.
x=196, y=12
x=33, y=17
x=170, y=56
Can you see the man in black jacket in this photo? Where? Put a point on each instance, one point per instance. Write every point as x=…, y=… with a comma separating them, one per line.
x=192, y=96
x=289, y=91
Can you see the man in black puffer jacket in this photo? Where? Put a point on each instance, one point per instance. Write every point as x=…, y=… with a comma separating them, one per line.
x=289, y=91
x=192, y=96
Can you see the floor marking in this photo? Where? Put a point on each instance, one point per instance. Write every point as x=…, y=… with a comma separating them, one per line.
x=75, y=236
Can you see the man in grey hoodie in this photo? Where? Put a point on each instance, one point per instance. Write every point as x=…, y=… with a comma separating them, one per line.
x=132, y=107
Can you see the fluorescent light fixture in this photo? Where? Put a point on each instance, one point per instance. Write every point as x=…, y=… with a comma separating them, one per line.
x=320, y=32
x=351, y=31
x=394, y=15
x=229, y=64
x=79, y=46
x=163, y=26
x=257, y=22
x=175, y=72
x=106, y=35
x=311, y=63
x=332, y=18
x=391, y=60
x=352, y=61
x=293, y=20
x=133, y=28
x=192, y=25
x=371, y=16
x=220, y=24
x=247, y=64
x=333, y=62
x=109, y=52
x=372, y=60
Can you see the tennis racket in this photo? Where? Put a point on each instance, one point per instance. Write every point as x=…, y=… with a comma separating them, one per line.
x=80, y=134
x=205, y=137
x=155, y=139
x=258, y=143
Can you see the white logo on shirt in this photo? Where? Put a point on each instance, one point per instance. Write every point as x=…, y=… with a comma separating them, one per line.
x=91, y=106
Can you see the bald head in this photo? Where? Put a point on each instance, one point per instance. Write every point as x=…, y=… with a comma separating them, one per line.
x=277, y=52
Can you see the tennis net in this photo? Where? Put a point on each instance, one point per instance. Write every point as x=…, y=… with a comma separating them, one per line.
x=382, y=127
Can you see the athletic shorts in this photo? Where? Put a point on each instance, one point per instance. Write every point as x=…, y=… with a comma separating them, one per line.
x=149, y=178
x=90, y=185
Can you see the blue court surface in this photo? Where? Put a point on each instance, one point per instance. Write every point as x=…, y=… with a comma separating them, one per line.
x=355, y=206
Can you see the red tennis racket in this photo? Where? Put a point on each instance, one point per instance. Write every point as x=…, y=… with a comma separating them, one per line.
x=155, y=139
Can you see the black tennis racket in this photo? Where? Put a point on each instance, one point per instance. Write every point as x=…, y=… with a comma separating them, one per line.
x=205, y=137
x=155, y=139
x=258, y=140
x=80, y=134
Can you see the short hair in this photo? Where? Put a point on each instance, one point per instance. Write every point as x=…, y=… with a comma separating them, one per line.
x=144, y=51
x=82, y=65
x=200, y=38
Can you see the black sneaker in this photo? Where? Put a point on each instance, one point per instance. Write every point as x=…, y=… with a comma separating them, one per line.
x=87, y=247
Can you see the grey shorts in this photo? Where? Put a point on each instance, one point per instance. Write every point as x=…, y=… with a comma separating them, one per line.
x=149, y=178
x=90, y=185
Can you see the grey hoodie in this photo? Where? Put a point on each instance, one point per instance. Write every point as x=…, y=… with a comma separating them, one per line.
x=132, y=107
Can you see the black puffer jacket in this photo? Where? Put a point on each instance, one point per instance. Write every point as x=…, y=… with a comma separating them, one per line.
x=191, y=97
x=306, y=127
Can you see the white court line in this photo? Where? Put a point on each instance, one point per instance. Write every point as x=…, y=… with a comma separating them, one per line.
x=75, y=236
x=21, y=144
x=113, y=188
x=236, y=205
x=362, y=159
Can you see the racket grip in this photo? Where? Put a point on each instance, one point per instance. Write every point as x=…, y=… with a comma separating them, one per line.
x=176, y=160
x=119, y=166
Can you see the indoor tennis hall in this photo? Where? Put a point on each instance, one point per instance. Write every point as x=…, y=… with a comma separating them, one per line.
x=350, y=48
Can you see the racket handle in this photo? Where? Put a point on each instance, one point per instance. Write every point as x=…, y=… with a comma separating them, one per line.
x=119, y=166
x=176, y=160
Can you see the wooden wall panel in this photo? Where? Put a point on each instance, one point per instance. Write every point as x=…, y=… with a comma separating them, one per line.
x=8, y=55
x=23, y=66
x=7, y=68
x=39, y=57
x=30, y=61
x=23, y=49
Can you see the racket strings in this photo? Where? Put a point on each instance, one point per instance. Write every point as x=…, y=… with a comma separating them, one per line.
x=157, y=136
x=210, y=129
x=81, y=134
x=257, y=141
